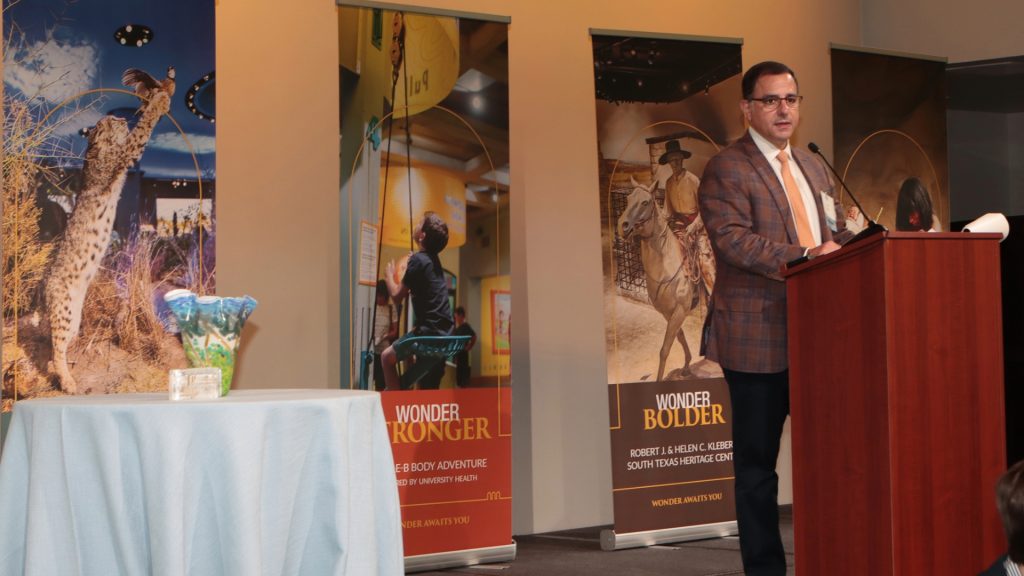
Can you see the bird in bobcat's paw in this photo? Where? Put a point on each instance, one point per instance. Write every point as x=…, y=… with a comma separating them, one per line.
x=143, y=84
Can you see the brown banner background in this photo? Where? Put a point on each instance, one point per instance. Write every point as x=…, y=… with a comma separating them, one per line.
x=671, y=467
x=671, y=464
x=889, y=124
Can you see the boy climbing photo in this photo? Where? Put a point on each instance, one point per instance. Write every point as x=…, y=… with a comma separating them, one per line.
x=424, y=280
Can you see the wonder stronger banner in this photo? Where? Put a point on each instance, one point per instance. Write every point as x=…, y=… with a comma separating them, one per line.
x=665, y=106
x=424, y=128
x=452, y=451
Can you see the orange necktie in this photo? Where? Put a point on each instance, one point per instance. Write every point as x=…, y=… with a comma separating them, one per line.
x=796, y=204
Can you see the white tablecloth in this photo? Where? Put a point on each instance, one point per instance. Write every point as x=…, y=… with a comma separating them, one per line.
x=261, y=482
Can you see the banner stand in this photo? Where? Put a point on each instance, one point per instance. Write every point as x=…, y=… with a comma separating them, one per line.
x=460, y=558
x=610, y=540
x=670, y=418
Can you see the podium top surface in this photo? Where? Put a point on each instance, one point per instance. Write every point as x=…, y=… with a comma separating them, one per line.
x=850, y=250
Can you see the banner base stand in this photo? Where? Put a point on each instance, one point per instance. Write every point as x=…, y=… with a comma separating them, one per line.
x=457, y=558
x=610, y=540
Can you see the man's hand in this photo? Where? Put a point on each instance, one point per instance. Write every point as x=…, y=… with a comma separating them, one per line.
x=826, y=248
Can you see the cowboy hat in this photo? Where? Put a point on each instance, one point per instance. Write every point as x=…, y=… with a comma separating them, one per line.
x=671, y=148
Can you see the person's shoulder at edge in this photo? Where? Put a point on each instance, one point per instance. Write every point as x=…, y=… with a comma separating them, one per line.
x=998, y=568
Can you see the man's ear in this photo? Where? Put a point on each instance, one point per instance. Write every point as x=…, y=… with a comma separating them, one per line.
x=745, y=109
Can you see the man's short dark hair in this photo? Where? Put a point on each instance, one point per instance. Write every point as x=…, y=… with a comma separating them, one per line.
x=459, y=310
x=766, y=68
x=435, y=233
x=1010, y=501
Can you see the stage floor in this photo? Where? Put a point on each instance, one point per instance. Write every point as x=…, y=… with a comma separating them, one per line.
x=578, y=553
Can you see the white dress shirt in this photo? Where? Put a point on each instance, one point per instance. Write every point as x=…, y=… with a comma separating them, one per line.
x=771, y=153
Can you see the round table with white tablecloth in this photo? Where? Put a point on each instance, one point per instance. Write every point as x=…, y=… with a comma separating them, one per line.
x=260, y=482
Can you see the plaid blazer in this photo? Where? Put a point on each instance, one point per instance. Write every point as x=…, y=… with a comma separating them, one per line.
x=744, y=207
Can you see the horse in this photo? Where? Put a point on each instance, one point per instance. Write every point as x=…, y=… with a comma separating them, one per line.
x=671, y=284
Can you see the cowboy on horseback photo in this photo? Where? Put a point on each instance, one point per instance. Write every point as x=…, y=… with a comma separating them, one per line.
x=683, y=214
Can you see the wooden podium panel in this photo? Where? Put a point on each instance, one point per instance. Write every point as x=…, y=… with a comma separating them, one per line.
x=896, y=387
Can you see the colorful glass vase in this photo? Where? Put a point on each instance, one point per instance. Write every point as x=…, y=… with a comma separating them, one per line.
x=211, y=327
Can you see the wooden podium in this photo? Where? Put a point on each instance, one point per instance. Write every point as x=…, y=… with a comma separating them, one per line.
x=896, y=388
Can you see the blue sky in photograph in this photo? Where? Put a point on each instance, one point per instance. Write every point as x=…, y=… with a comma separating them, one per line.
x=61, y=48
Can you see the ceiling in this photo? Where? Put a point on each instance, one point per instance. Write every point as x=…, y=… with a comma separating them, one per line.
x=479, y=100
x=654, y=70
x=987, y=85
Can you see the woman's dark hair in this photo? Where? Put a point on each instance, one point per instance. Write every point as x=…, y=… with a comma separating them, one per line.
x=767, y=68
x=382, y=289
x=913, y=207
x=435, y=233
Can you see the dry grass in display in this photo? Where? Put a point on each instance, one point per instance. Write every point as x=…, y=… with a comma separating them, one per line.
x=122, y=345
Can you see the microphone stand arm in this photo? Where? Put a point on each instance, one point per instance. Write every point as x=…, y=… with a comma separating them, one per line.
x=872, y=227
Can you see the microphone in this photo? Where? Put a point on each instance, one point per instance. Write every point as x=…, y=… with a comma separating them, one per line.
x=872, y=227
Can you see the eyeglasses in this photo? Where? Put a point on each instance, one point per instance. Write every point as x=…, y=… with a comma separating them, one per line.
x=770, y=103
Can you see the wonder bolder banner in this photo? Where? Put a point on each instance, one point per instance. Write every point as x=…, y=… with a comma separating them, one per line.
x=672, y=447
x=665, y=106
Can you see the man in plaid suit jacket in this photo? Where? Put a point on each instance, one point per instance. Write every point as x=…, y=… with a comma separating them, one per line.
x=747, y=207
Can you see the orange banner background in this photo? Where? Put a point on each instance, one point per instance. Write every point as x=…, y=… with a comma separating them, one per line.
x=453, y=452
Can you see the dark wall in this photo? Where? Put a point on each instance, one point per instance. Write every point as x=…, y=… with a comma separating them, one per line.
x=1011, y=253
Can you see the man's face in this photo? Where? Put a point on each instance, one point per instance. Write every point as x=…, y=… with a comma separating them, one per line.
x=417, y=234
x=777, y=125
x=676, y=162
